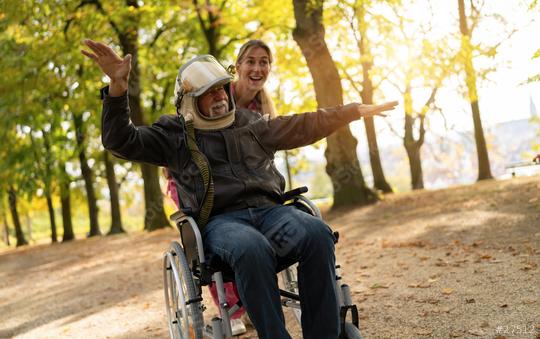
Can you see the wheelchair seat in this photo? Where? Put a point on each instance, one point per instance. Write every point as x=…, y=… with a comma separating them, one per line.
x=193, y=245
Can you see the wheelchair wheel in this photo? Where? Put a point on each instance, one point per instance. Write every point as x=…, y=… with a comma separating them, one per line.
x=290, y=282
x=352, y=332
x=184, y=313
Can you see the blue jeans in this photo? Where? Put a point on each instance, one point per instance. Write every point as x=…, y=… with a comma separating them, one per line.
x=256, y=243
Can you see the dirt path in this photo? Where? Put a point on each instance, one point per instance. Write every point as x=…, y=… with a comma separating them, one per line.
x=461, y=262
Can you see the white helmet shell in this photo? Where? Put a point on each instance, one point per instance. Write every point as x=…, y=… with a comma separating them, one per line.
x=195, y=78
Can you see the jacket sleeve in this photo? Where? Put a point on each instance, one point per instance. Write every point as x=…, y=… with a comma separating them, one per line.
x=288, y=132
x=136, y=143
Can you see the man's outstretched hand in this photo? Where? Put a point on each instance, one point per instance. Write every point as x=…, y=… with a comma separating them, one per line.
x=366, y=111
x=116, y=68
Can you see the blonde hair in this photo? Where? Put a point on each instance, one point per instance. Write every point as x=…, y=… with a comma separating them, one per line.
x=267, y=104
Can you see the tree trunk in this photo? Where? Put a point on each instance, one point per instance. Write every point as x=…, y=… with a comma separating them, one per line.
x=413, y=146
x=415, y=163
x=484, y=170
x=47, y=183
x=379, y=181
x=52, y=218
x=342, y=161
x=154, y=217
x=15, y=217
x=65, y=201
x=211, y=27
x=87, y=176
x=116, y=217
x=5, y=229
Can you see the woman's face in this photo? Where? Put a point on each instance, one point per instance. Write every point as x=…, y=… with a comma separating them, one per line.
x=253, y=69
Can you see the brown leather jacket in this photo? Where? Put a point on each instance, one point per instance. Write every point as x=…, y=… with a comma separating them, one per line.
x=240, y=156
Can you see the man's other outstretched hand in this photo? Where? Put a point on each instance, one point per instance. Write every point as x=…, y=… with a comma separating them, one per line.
x=116, y=68
x=366, y=111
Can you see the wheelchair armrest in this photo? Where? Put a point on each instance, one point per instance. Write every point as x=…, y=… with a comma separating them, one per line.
x=178, y=217
x=294, y=192
x=190, y=235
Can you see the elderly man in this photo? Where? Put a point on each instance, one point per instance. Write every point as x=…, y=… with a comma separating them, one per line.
x=222, y=162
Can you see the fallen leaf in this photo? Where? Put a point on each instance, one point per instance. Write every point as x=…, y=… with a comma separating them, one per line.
x=456, y=334
x=503, y=306
x=377, y=285
x=470, y=301
x=484, y=324
x=420, y=285
x=528, y=267
x=431, y=301
x=447, y=291
x=477, y=332
x=528, y=301
x=424, y=332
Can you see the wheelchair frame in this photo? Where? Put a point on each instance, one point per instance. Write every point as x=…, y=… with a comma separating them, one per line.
x=185, y=272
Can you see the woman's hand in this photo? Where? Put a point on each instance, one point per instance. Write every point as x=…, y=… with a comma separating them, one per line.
x=371, y=110
x=116, y=68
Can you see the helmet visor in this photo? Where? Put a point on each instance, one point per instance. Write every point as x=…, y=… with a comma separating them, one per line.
x=201, y=74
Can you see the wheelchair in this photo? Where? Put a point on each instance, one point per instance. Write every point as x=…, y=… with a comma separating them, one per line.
x=185, y=272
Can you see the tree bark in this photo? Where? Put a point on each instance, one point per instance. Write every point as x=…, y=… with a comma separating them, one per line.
x=65, y=201
x=5, y=229
x=15, y=217
x=154, y=217
x=342, y=161
x=413, y=146
x=48, y=188
x=52, y=219
x=116, y=216
x=484, y=170
x=379, y=180
x=47, y=178
x=211, y=27
x=88, y=176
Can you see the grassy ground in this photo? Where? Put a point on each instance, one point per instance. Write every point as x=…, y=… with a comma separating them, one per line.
x=454, y=263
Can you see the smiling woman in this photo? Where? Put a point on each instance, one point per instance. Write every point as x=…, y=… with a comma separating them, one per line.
x=253, y=65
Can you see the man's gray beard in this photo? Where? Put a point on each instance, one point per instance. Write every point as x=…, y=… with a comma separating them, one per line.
x=219, y=108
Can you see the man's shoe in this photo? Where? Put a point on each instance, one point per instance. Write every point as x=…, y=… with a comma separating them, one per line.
x=237, y=327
